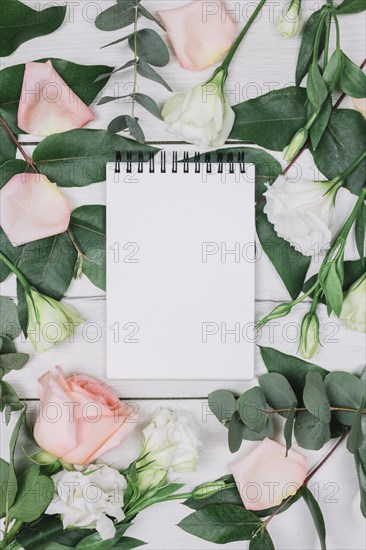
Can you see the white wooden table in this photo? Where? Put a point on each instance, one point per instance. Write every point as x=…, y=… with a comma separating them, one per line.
x=265, y=61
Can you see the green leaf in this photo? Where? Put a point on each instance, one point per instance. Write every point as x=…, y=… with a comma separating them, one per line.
x=289, y=424
x=117, y=16
x=277, y=391
x=316, y=515
x=146, y=71
x=361, y=476
x=149, y=104
x=310, y=433
x=20, y=23
x=85, y=80
x=127, y=543
x=251, y=406
x=355, y=437
x=109, y=99
x=7, y=345
x=145, y=13
x=271, y=120
x=222, y=404
x=118, y=124
x=9, y=323
x=4, y=476
x=34, y=495
x=307, y=45
x=48, y=264
x=135, y=128
x=10, y=169
x=320, y=124
x=221, y=523
x=79, y=157
x=71, y=537
x=345, y=390
x=94, y=542
x=261, y=541
x=353, y=79
x=342, y=143
x=150, y=47
x=22, y=309
x=315, y=397
x=351, y=6
x=8, y=150
x=280, y=508
x=13, y=361
x=88, y=224
x=316, y=87
x=11, y=487
x=333, y=70
x=235, y=435
x=292, y=368
x=34, y=536
x=360, y=231
x=290, y=264
x=11, y=252
x=228, y=496
x=268, y=431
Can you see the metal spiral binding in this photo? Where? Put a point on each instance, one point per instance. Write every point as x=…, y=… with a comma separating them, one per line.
x=188, y=161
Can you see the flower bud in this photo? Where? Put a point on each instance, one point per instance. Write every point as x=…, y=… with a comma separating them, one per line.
x=290, y=22
x=297, y=143
x=207, y=490
x=309, y=339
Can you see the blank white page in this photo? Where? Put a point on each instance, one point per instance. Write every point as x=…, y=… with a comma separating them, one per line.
x=180, y=273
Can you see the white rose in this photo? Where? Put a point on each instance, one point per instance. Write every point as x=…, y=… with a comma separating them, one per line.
x=88, y=498
x=354, y=305
x=302, y=213
x=171, y=442
x=290, y=22
x=203, y=116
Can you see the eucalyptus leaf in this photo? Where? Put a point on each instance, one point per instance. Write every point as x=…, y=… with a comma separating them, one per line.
x=34, y=495
x=316, y=515
x=135, y=128
x=79, y=157
x=261, y=540
x=116, y=17
x=88, y=224
x=9, y=323
x=353, y=79
x=150, y=47
x=278, y=392
x=315, y=397
x=342, y=143
x=345, y=390
x=272, y=119
x=145, y=13
x=288, y=428
x=7, y=345
x=221, y=523
x=351, y=6
x=251, y=406
x=310, y=433
x=118, y=124
x=290, y=264
x=268, y=431
x=307, y=45
x=108, y=99
x=355, y=437
x=13, y=361
x=361, y=476
x=20, y=23
x=222, y=404
x=149, y=104
x=146, y=71
x=235, y=435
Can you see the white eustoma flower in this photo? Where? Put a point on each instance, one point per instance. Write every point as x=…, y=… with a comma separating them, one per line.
x=89, y=498
x=290, y=22
x=170, y=442
x=354, y=305
x=203, y=116
x=302, y=212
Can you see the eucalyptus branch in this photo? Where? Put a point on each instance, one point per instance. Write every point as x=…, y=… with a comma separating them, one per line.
x=135, y=59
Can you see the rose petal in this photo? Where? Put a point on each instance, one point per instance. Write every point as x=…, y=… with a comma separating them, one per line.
x=31, y=208
x=200, y=32
x=265, y=476
x=47, y=104
x=360, y=105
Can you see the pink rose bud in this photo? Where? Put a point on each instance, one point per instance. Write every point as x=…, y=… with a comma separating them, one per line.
x=31, y=208
x=80, y=418
x=265, y=476
x=360, y=105
x=200, y=32
x=47, y=104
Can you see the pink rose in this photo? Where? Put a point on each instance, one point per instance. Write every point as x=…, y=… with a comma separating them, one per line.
x=265, y=476
x=31, y=208
x=47, y=104
x=200, y=32
x=80, y=418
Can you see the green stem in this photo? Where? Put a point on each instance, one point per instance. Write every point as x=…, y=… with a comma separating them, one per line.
x=318, y=36
x=16, y=271
x=327, y=38
x=338, y=33
x=134, y=60
x=347, y=226
x=351, y=168
x=9, y=536
x=225, y=64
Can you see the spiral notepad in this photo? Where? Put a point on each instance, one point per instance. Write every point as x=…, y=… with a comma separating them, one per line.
x=180, y=267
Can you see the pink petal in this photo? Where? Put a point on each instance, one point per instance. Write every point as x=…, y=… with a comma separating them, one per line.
x=360, y=105
x=100, y=435
x=265, y=476
x=47, y=104
x=31, y=208
x=200, y=32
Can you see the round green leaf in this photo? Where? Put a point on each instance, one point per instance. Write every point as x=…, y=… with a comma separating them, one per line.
x=150, y=47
